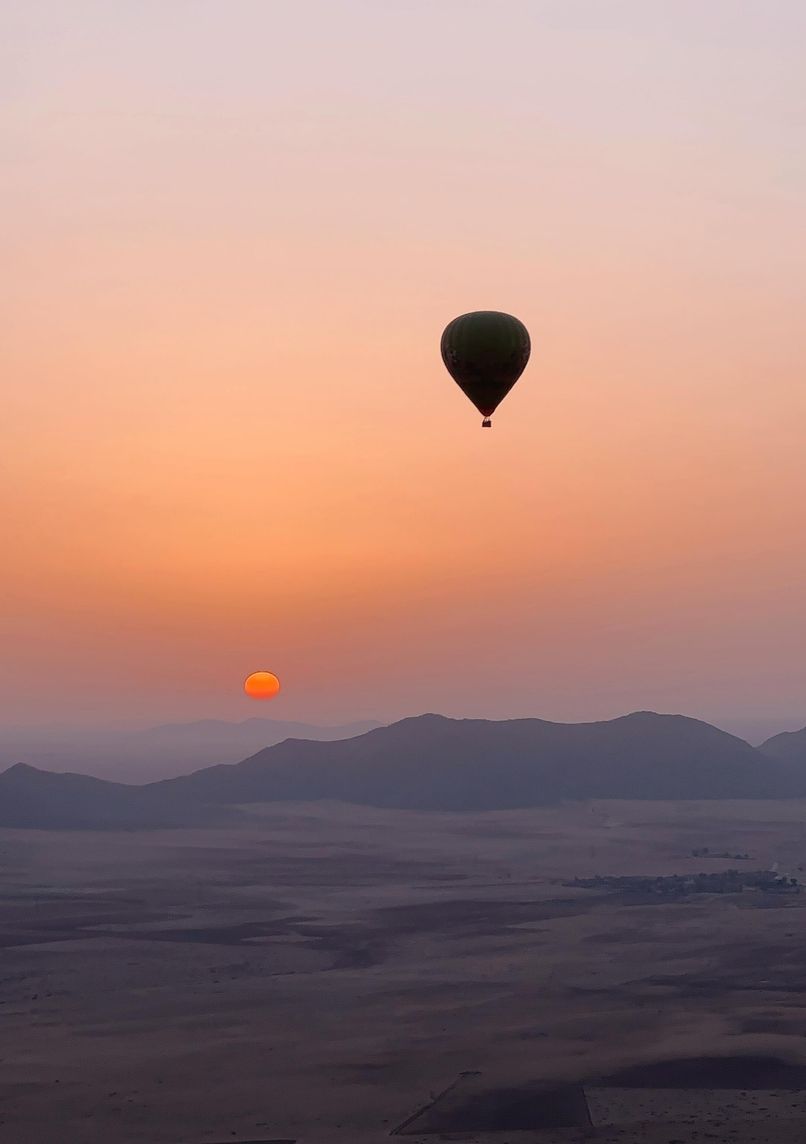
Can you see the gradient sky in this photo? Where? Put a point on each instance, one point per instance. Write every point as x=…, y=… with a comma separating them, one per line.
x=233, y=231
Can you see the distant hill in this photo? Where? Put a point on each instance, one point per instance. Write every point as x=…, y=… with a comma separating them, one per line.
x=788, y=747
x=434, y=763
x=176, y=748
x=30, y=798
x=426, y=763
x=754, y=728
x=156, y=752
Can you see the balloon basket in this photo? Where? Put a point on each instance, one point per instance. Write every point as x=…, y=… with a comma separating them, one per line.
x=486, y=423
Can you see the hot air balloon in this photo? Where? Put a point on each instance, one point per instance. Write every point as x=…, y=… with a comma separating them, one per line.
x=485, y=353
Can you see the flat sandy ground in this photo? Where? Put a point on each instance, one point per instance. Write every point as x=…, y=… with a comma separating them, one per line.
x=324, y=971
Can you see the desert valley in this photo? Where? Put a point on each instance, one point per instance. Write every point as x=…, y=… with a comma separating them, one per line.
x=336, y=972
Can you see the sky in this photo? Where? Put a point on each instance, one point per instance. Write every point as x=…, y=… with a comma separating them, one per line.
x=233, y=232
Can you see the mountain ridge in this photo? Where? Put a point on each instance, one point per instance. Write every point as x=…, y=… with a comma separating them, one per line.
x=161, y=751
x=31, y=798
x=787, y=746
x=428, y=762
x=432, y=762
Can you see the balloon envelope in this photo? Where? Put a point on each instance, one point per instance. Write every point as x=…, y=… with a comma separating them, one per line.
x=485, y=353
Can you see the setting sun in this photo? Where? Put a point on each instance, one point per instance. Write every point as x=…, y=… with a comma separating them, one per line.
x=261, y=685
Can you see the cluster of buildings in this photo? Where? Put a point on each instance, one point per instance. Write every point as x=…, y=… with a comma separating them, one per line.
x=678, y=885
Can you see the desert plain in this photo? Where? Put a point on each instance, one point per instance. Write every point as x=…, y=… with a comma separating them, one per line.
x=326, y=972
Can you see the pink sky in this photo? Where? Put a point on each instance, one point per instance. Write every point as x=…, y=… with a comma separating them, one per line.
x=233, y=234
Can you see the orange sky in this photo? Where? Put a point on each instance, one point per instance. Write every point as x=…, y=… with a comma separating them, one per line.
x=233, y=234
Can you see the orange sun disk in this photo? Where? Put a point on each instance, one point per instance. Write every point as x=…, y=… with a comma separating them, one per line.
x=261, y=685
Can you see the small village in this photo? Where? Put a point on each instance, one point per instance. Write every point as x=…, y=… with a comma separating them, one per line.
x=681, y=885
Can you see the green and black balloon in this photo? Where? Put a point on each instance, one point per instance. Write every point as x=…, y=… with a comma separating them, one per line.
x=485, y=353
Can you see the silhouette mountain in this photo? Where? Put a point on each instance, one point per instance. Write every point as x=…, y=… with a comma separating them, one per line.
x=427, y=763
x=434, y=763
x=788, y=747
x=154, y=753
x=34, y=799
